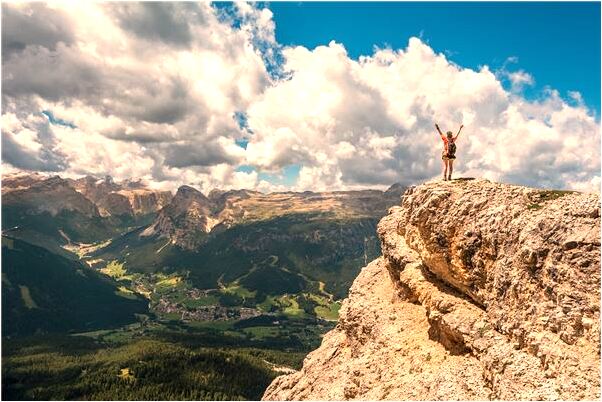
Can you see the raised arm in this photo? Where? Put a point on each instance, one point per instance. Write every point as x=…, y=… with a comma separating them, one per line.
x=438, y=129
x=457, y=135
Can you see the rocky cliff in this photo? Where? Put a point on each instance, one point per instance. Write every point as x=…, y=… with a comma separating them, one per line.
x=53, y=195
x=128, y=198
x=185, y=220
x=484, y=291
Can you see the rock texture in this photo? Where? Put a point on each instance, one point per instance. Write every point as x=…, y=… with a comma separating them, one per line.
x=51, y=195
x=128, y=198
x=20, y=181
x=144, y=201
x=185, y=220
x=484, y=291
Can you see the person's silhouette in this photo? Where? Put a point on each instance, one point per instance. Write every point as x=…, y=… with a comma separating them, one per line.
x=449, y=151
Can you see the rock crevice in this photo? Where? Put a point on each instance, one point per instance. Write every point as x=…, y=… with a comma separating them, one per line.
x=484, y=291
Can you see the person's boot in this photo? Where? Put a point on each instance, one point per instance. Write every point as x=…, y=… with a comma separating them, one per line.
x=449, y=177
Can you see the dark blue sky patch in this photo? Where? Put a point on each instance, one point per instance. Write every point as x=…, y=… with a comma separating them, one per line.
x=243, y=125
x=57, y=121
x=226, y=13
x=241, y=119
x=243, y=142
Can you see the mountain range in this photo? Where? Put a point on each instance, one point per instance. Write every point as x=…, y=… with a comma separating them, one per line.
x=241, y=253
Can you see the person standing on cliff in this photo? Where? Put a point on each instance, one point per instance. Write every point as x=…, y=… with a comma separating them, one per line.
x=449, y=151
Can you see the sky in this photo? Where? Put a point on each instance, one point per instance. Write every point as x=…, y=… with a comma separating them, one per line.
x=557, y=43
x=302, y=96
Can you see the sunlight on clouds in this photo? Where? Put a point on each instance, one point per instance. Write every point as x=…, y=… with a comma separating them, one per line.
x=155, y=91
x=386, y=108
x=519, y=79
x=22, y=135
x=136, y=94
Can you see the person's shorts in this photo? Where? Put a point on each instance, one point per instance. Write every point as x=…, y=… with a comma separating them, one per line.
x=446, y=157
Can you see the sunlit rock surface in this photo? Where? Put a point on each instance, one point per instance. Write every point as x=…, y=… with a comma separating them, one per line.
x=484, y=291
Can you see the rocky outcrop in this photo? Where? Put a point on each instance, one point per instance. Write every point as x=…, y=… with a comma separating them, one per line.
x=111, y=198
x=144, y=201
x=20, y=181
x=129, y=198
x=52, y=195
x=185, y=220
x=484, y=291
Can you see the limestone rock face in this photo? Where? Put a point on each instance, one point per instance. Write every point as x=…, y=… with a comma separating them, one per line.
x=484, y=291
x=52, y=195
x=186, y=220
x=20, y=181
x=129, y=198
x=144, y=201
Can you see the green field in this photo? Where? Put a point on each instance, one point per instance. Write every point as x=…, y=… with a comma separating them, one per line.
x=97, y=306
x=114, y=269
x=150, y=353
x=280, y=255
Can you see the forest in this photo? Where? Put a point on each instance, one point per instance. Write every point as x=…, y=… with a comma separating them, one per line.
x=62, y=367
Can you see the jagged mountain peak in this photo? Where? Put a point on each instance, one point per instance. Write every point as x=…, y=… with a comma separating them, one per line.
x=53, y=194
x=53, y=181
x=108, y=197
x=133, y=184
x=187, y=196
x=186, y=220
x=395, y=189
x=215, y=194
x=186, y=191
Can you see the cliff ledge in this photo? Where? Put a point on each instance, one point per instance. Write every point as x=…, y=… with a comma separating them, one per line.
x=484, y=291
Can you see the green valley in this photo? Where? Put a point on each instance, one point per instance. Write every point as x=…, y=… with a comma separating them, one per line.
x=43, y=292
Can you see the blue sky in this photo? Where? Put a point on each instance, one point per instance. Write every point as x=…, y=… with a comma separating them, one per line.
x=557, y=43
x=287, y=177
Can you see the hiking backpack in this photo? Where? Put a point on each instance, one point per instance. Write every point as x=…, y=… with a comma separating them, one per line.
x=451, y=148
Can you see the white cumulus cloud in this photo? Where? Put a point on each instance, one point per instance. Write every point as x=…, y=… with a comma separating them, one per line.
x=151, y=91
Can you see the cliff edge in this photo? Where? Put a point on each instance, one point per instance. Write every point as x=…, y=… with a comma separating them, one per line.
x=484, y=291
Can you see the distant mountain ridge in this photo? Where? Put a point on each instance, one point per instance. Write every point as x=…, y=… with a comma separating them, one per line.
x=185, y=217
x=51, y=195
x=130, y=198
x=50, y=211
x=191, y=215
